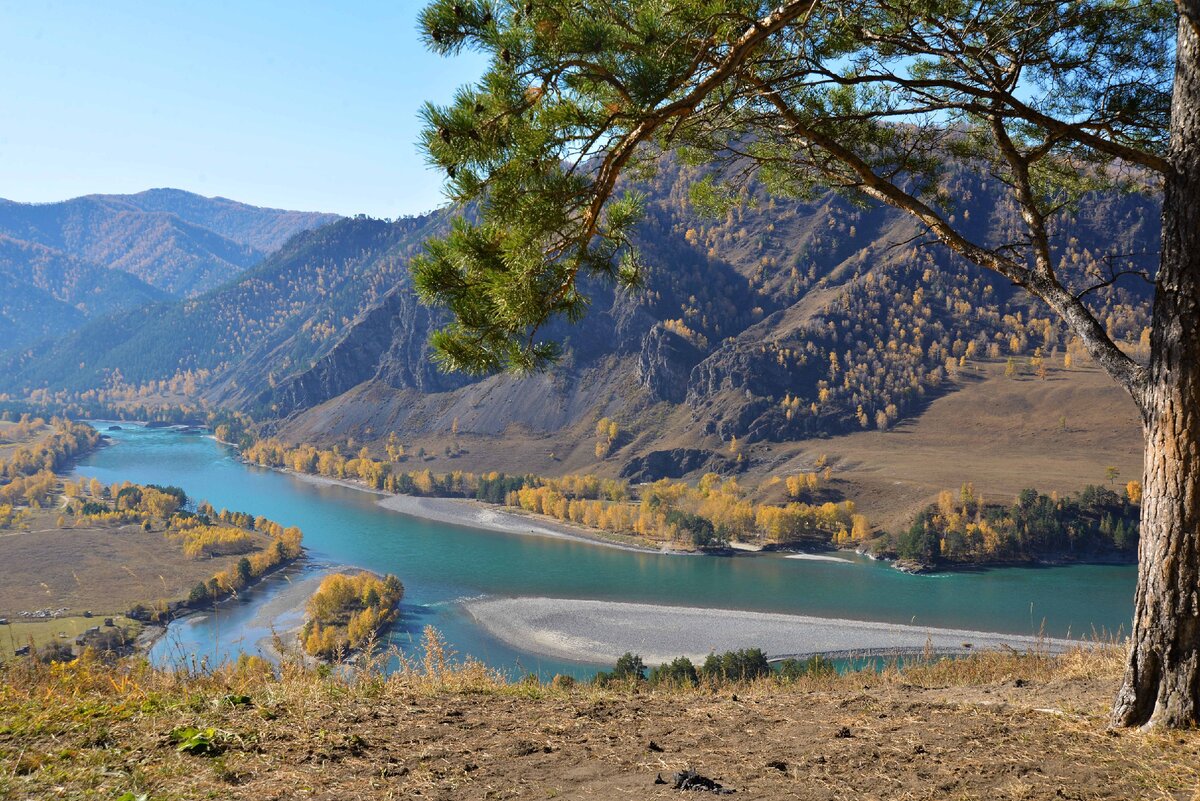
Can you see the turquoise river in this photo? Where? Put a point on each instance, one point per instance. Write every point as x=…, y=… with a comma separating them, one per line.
x=442, y=565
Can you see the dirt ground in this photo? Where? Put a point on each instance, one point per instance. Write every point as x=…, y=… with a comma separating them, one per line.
x=1000, y=727
x=104, y=570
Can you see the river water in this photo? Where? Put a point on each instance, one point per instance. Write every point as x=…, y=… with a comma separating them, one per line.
x=442, y=565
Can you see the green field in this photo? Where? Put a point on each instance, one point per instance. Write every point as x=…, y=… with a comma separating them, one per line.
x=19, y=633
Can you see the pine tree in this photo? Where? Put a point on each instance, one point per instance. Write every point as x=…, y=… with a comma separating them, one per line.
x=881, y=101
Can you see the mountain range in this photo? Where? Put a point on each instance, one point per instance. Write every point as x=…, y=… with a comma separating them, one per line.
x=83, y=258
x=778, y=322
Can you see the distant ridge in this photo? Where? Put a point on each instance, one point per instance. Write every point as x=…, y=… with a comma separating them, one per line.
x=272, y=320
x=44, y=291
x=176, y=241
x=262, y=228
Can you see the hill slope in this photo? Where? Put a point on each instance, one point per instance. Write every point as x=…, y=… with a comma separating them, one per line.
x=781, y=322
x=775, y=325
x=272, y=320
x=45, y=292
x=175, y=241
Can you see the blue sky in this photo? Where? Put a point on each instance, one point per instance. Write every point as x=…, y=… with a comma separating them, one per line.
x=299, y=105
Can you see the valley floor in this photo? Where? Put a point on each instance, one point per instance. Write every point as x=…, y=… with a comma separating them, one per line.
x=989, y=727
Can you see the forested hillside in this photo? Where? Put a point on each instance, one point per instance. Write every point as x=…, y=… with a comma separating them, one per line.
x=44, y=292
x=772, y=322
x=275, y=319
x=175, y=241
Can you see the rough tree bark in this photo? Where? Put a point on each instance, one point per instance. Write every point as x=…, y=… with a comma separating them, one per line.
x=1162, y=676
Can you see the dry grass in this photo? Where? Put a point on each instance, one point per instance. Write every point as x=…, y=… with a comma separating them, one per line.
x=995, y=726
x=1001, y=434
x=103, y=568
x=9, y=441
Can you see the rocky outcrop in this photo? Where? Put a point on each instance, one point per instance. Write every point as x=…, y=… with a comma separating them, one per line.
x=742, y=367
x=676, y=463
x=388, y=342
x=665, y=362
x=737, y=390
x=404, y=326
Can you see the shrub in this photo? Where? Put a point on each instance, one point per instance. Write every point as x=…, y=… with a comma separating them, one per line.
x=746, y=664
x=629, y=667
x=55, y=652
x=680, y=672
x=792, y=669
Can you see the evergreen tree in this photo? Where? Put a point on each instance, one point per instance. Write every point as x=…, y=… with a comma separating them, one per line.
x=629, y=667
x=877, y=99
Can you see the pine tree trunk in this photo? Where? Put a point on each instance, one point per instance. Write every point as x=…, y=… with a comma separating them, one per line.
x=1162, y=676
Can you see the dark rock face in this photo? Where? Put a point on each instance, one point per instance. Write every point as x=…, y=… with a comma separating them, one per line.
x=404, y=326
x=742, y=367
x=737, y=388
x=665, y=362
x=389, y=342
x=387, y=348
x=675, y=463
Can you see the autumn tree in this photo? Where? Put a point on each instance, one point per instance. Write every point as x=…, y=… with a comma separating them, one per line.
x=882, y=101
x=607, y=432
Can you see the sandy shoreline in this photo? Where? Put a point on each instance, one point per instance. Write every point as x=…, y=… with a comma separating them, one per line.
x=277, y=619
x=471, y=513
x=283, y=613
x=600, y=631
x=476, y=514
x=818, y=557
x=309, y=478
